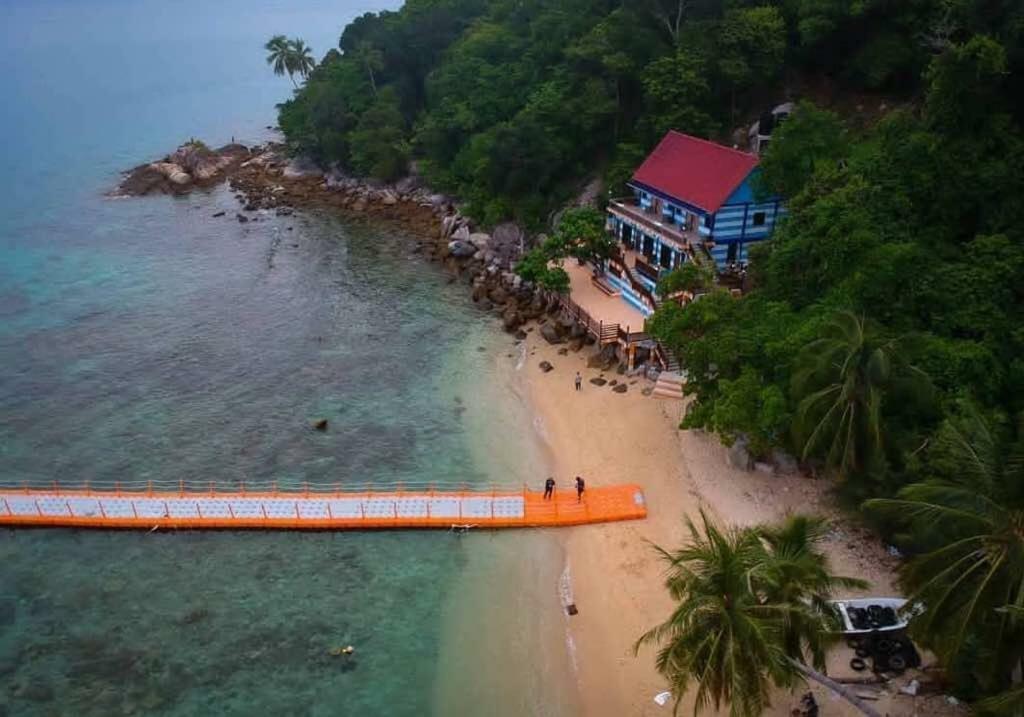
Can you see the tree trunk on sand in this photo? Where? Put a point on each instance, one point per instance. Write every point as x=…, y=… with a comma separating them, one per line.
x=844, y=692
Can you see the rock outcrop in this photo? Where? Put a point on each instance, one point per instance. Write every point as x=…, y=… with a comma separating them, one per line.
x=190, y=165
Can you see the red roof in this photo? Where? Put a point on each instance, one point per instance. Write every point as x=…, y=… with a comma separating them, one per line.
x=695, y=170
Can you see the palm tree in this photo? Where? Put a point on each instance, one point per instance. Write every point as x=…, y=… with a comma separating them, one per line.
x=1011, y=702
x=301, y=58
x=841, y=382
x=279, y=55
x=289, y=57
x=372, y=59
x=798, y=574
x=740, y=624
x=968, y=522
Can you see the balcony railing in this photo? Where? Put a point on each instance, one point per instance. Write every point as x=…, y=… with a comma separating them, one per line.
x=647, y=269
x=626, y=208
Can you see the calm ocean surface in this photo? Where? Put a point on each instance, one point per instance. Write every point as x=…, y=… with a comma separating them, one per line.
x=145, y=339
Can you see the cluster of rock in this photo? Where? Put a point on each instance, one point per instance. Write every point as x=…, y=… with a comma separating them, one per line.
x=191, y=165
x=778, y=462
x=266, y=179
x=271, y=180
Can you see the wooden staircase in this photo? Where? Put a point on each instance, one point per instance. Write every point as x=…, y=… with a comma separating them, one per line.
x=609, y=334
x=669, y=385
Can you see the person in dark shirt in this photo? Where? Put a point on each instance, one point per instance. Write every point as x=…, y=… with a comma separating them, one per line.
x=580, y=487
x=549, y=488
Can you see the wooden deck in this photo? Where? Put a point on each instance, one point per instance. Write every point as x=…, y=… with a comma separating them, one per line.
x=312, y=510
x=601, y=306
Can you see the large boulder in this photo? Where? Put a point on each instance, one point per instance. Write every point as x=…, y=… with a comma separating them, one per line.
x=407, y=185
x=447, y=226
x=511, y=320
x=551, y=334
x=739, y=455
x=461, y=249
x=784, y=463
x=508, y=237
x=603, y=359
x=200, y=161
x=480, y=240
x=462, y=234
x=301, y=167
x=498, y=295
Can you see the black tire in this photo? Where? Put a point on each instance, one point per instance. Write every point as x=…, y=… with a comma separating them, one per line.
x=862, y=652
x=887, y=646
x=858, y=664
x=854, y=642
x=897, y=663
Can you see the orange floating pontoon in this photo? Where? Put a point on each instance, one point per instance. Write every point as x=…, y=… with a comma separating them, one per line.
x=315, y=510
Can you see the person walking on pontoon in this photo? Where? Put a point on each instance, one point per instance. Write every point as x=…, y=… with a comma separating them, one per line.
x=580, y=487
x=549, y=488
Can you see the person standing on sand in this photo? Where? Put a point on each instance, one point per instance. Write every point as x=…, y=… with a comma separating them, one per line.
x=579, y=380
x=580, y=487
x=549, y=488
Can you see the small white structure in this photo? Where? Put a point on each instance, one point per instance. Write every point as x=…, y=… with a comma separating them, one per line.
x=760, y=133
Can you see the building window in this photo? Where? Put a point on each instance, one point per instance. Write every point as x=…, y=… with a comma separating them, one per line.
x=759, y=219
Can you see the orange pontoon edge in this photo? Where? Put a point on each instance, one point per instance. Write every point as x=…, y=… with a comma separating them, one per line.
x=305, y=510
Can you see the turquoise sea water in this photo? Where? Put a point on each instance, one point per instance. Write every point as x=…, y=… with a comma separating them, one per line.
x=145, y=339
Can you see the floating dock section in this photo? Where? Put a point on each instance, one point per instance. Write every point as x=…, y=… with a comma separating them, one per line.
x=315, y=510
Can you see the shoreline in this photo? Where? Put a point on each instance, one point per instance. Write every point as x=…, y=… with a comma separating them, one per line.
x=610, y=571
x=617, y=579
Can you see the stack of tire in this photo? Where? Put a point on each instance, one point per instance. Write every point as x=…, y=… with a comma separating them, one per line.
x=889, y=652
x=872, y=617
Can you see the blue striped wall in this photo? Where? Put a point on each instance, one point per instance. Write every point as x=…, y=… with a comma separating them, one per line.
x=630, y=297
x=741, y=220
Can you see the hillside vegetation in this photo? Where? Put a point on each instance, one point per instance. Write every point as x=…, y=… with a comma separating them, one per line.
x=509, y=103
x=883, y=340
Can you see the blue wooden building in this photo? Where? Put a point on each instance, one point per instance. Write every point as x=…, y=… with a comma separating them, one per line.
x=692, y=200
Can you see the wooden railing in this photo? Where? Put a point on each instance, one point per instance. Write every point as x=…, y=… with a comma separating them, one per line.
x=647, y=269
x=598, y=329
x=627, y=208
x=617, y=262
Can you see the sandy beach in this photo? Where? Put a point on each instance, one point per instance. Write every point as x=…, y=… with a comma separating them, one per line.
x=616, y=577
